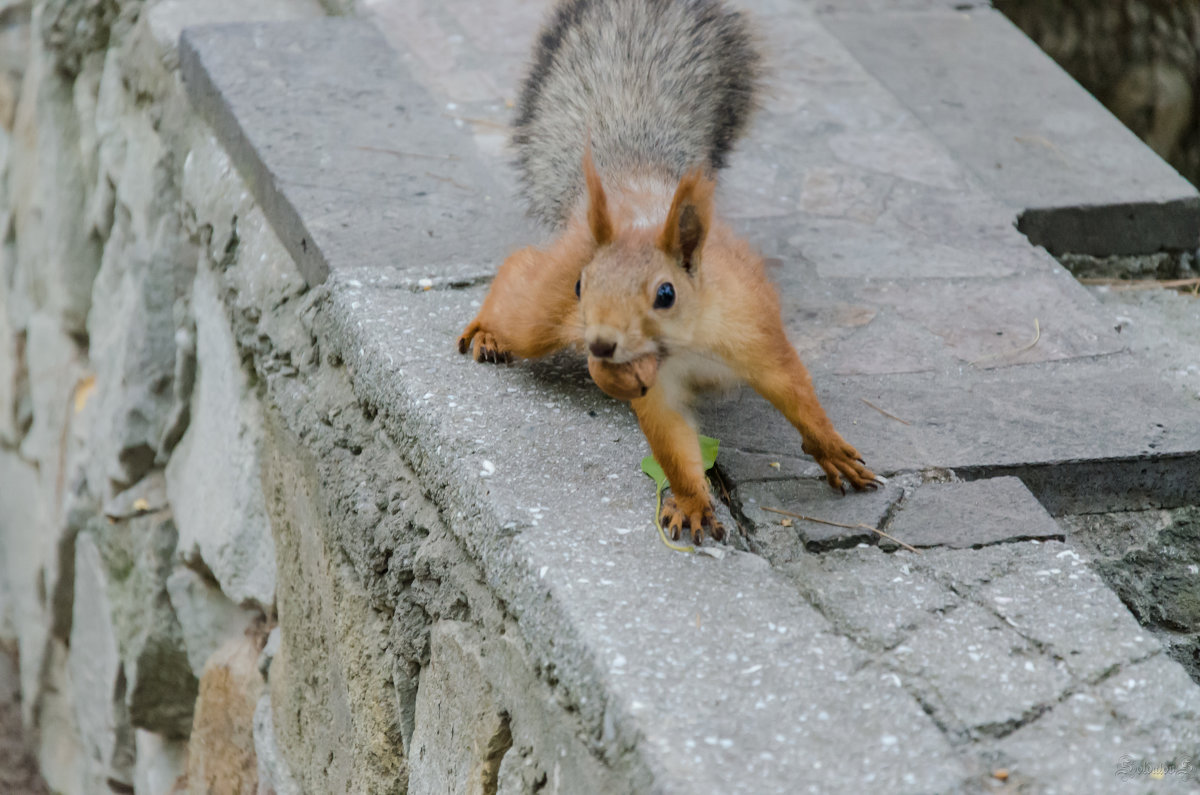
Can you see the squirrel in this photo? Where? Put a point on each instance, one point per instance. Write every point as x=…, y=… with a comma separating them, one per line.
x=628, y=112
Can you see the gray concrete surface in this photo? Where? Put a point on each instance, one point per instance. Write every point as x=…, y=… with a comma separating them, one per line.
x=1080, y=180
x=904, y=283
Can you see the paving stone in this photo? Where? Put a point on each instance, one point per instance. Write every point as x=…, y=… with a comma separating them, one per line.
x=1078, y=747
x=969, y=570
x=1067, y=608
x=876, y=598
x=814, y=498
x=1145, y=713
x=989, y=423
x=973, y=514
x=1158, y=697
x=948, y=659
x=1082, y=181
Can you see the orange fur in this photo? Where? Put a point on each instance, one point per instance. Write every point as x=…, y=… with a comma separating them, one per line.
x=724, y=323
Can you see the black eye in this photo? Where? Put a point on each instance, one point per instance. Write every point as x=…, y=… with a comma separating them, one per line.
x=665, y=297
x=577, y=283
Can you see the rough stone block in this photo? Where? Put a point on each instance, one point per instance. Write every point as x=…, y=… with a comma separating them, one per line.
x=98, y=681
x=62, y=752
x=273, y=772
x=13, y=384
x=207, y=618
x=161, y=764
x=213, y=477
x=462, y=731
x=147, y=266
x=160, y=688
x=23, y=550
x=220, y=755
x=56, y=368
x=335, y=709
x=57, y=255
x=973, y=514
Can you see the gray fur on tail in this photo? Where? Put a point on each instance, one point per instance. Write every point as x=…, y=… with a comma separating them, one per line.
x=663, y=84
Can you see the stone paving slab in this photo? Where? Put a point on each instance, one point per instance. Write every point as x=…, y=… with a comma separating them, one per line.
x=974, y=514
x=388, y=159
x=1081, y=180
x=539, y=471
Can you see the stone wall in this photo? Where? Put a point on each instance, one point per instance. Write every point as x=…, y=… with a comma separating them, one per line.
x=1141, y=58
x=219, y=571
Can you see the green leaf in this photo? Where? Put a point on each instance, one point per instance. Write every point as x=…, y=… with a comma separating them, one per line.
x=708, y=451
x=651, y=468
x=708, y=454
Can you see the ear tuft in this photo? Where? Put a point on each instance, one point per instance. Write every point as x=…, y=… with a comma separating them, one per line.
x=688, y=220
x=597, y=214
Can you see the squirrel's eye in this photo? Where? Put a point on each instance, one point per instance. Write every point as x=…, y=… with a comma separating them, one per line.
x=665, y=298
x=577, y=283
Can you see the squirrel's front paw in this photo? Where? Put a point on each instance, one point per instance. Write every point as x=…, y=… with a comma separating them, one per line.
x=487, y=347
x=840, y=460
x=694, y=514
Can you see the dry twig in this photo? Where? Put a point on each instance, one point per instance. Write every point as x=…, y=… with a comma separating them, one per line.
x=891, y=538
x=884, y=413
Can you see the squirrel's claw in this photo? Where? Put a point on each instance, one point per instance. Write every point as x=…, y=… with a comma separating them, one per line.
x=487, y=348
x=839, y=460
x=675, y=519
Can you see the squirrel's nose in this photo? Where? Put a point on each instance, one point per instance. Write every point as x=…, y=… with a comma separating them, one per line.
x=602, y=349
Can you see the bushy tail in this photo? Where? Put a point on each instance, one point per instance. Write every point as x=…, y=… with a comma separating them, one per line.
x=665, y=84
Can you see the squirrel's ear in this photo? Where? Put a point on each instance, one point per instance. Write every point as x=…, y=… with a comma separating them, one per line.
x=597, y=213
x=688, y=219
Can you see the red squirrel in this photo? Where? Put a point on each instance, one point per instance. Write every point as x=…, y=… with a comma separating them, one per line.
x=629, y=111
